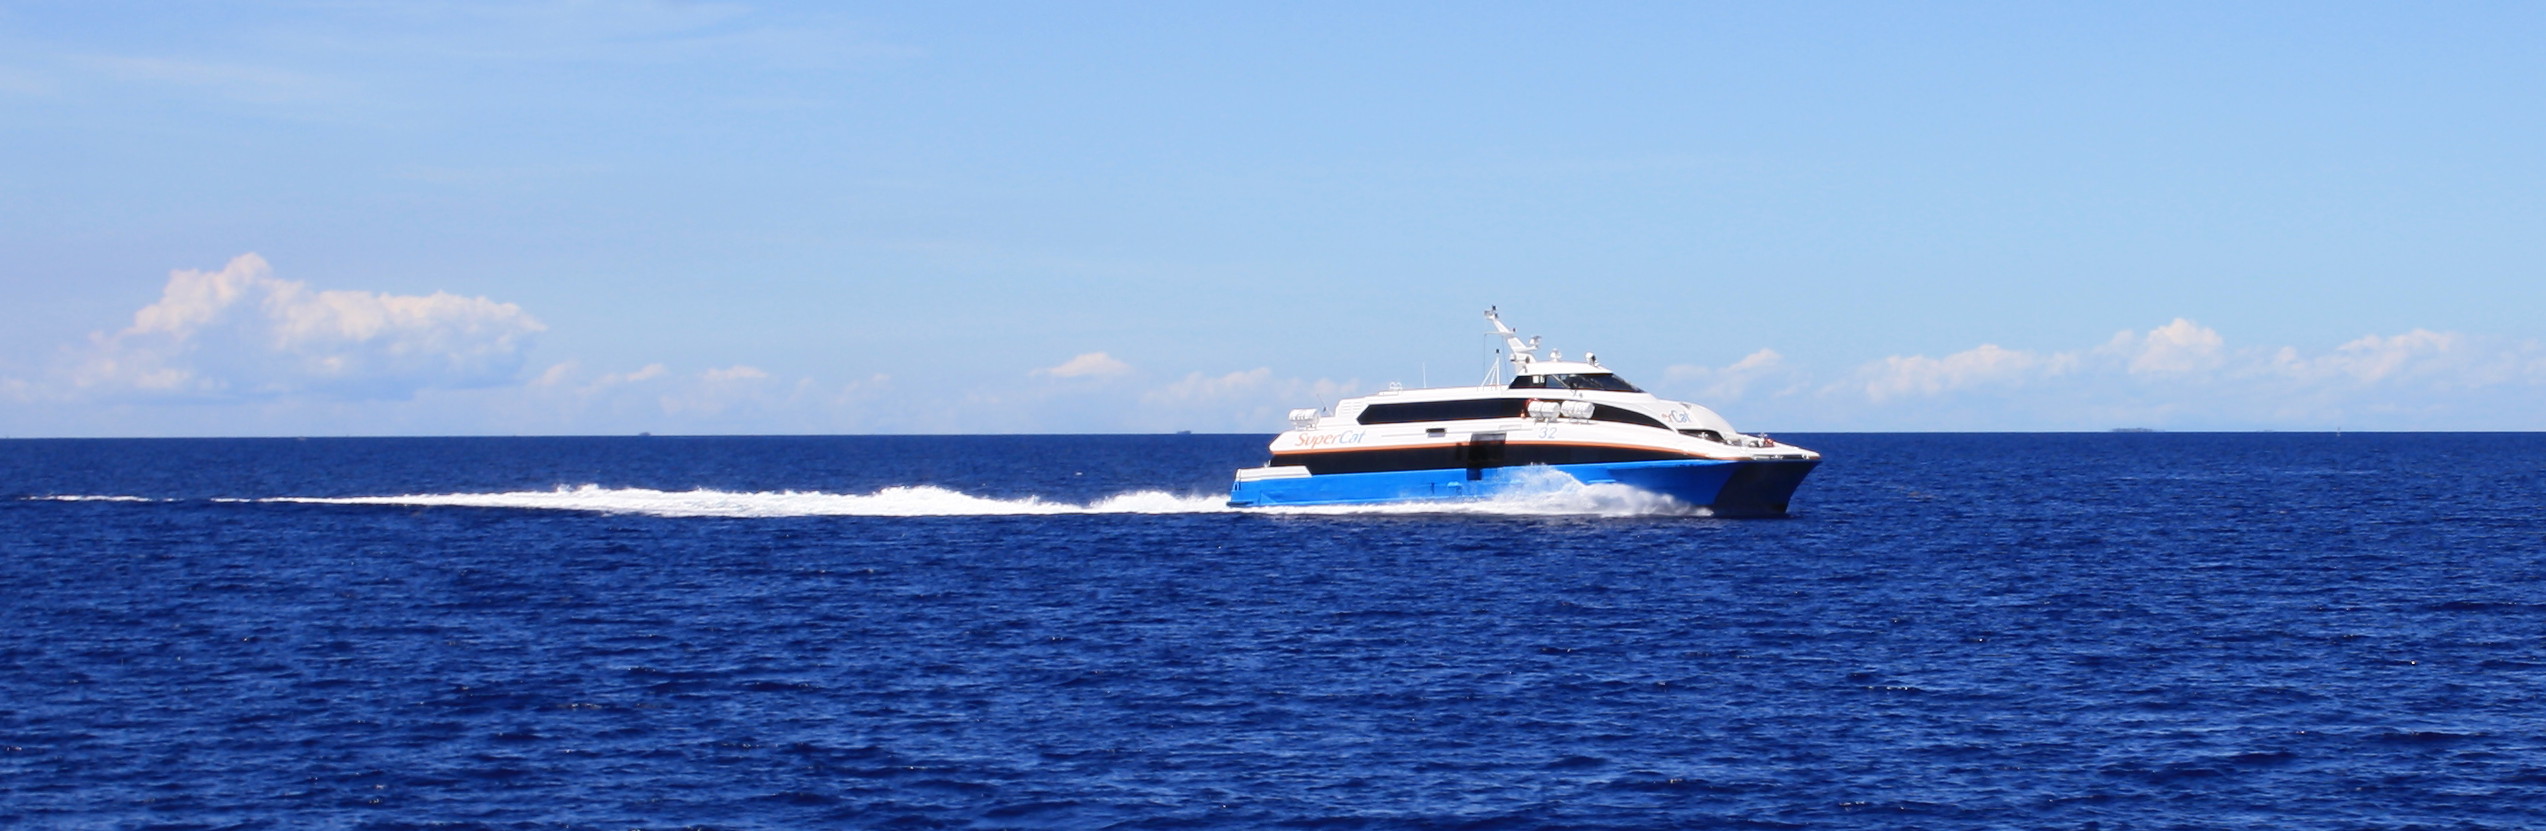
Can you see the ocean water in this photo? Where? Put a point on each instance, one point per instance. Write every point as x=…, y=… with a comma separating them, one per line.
x=2115, y=631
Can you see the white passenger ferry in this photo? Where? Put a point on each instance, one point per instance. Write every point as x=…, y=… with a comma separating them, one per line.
x=1571, y=417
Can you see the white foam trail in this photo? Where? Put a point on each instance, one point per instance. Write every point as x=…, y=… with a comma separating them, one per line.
x=1540, y=493
x=915, y=500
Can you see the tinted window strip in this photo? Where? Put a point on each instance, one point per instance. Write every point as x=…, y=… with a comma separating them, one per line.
x=1622, y=415
x=1458, y=410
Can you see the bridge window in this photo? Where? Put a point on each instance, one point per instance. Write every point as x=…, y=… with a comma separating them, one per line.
x=1600, y=382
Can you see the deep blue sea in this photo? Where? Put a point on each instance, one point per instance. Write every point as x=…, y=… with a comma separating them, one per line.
x=2112, y=631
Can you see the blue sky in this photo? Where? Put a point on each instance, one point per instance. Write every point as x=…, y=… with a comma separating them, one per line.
x=602, y=216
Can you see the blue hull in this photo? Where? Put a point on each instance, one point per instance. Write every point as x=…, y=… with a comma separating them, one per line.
x=1727, y=488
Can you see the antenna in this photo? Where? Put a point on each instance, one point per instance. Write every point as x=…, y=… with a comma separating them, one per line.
x=1518, y=353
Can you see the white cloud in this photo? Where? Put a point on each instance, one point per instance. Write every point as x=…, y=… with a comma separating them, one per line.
x=2179, y=347
x=1089, y=365
x=2419, y=354
x=242, y=332
x=1987, y=365
x=289, y=357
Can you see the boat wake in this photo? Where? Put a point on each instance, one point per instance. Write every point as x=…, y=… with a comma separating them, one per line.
x=909, y=500
x=1560, y=496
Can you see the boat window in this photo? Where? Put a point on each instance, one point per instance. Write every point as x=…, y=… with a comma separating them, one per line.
x=1604, y=412
x=1609, y=383
x=1468, y=408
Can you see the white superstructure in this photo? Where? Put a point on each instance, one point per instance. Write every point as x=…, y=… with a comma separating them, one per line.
x=1573, y=415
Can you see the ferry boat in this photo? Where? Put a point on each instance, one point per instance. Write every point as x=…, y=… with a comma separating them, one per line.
x=1576, y=418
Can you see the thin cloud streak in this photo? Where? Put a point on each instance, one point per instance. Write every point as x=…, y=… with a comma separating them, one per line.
x=240, y=82
x=2180, y=374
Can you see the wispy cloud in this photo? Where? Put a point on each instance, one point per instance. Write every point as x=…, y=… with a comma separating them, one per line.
x=2419, y=354
x=1986, y=365
x=656, y=397
x=22, y=82
x=625, y=32
x=2185, y=353
x=1728, y=383
x=2186, y=373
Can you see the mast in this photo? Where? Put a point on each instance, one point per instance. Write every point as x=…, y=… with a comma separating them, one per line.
x=1519, y=353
